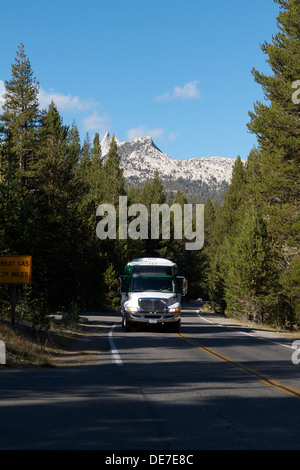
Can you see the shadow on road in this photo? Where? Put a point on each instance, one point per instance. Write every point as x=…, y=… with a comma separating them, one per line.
x=183, y=399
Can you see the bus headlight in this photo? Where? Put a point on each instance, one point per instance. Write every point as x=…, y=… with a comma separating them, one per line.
x=131, y=309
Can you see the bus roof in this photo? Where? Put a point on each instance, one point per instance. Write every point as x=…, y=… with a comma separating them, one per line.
x=151, y=261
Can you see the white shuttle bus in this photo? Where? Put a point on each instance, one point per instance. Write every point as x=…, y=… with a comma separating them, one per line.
x=151, y=293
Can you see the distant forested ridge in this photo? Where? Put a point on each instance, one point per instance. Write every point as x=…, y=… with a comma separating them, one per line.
x=51, y=185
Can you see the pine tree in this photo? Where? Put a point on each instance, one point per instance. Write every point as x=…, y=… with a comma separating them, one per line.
x=153, y=192
x=222, y=233
x=74, y=144
x=112, y=298
x=85, y=161
x=96, y=171
x=56, y=232
x=21, y=115
x=87, y=187
x=228, y=215
x=113, y=178
x=276, y=125
x=84, y=175
x=19, y=126
x=251, y=283
x=189, y=261
x=210, y=214
x=11, y=201
x=109, y=188
x=96, y=152
x=91, y=178
x=216, y=282
x=253, y=178
x=52, y=169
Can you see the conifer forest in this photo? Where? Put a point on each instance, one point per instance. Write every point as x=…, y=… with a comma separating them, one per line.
x=51, y=185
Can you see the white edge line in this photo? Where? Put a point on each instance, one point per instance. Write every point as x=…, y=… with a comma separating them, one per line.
x=248, y=334
x=114, y=351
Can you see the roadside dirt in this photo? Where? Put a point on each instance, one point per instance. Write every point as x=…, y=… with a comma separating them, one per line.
x=83, y=347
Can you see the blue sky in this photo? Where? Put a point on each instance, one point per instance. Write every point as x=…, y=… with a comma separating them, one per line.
x=179, y=71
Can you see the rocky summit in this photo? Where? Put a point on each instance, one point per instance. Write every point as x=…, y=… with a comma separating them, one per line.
x=197, y=177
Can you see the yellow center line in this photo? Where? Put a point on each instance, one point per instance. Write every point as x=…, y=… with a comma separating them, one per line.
x=263, y=378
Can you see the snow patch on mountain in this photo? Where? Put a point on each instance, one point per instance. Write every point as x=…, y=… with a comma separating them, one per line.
x=141, y=158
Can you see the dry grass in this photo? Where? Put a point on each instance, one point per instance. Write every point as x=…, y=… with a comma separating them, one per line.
x=24, y=348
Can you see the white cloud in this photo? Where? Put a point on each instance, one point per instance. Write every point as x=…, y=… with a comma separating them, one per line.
x=61, y=101
x=97, y=123
x=143, y=131
x=64, y=102
x=154, y=133
x=172, y=136
x=189, y=91
x=69, y=103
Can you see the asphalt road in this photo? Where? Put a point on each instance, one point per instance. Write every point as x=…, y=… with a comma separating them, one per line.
x=212, y=386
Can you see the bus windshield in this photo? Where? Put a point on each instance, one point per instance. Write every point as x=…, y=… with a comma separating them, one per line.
x=153, y=284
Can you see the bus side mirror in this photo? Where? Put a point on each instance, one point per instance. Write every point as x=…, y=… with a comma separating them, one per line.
x=124, y=284
x=182, y=281
x=184, y=286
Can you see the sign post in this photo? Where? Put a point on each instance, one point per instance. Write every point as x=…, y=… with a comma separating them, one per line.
x=15, y=270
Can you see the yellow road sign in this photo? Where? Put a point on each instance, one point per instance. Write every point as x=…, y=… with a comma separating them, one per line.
x=15, y=269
